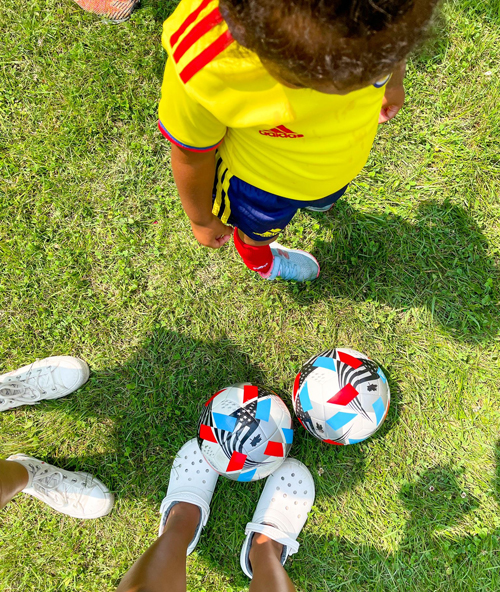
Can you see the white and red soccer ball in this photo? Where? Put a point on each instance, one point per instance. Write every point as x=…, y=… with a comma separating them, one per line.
x=245, y=432
x=341, y=396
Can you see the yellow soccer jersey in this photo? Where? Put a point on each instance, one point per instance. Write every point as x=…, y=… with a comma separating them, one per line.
x=296, y=143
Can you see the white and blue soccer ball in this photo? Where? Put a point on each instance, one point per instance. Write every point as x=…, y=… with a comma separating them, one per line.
x=245, y=432
x=341, y=396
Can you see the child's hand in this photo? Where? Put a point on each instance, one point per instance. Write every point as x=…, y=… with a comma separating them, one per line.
x=394, y=94
x=214, y=234
x=391, y=104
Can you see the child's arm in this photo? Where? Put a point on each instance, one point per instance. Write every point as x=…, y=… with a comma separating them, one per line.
x=194, y=174
x=394, y=94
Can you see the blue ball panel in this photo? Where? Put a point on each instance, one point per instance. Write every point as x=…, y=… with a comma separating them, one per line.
x=263, y=409
x=340, y=419
x=323, y=362
x=224, y=422
x=248, y=476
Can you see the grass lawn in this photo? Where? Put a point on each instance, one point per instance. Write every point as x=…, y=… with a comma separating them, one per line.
x=97, y=260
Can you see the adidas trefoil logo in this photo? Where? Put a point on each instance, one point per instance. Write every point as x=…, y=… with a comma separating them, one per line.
x=280, y=132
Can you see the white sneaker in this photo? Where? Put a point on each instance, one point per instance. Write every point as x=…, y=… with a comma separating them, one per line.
x=192, y=480
x=76, y=494
x=49, y=378
x=292, y=264
x=281, y=513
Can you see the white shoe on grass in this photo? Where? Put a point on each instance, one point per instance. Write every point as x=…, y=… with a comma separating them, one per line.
x=192, y=480
x=292, y=264
x=76, y=494
x=281, y=513
x=49, y=378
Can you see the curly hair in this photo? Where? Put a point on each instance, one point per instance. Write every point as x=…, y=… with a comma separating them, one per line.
x=349, y=42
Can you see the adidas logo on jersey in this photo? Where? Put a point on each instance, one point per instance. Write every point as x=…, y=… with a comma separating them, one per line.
x=280, y=132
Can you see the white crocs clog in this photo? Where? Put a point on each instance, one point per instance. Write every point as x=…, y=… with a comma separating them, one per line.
x=192, y=480
x=281, y=513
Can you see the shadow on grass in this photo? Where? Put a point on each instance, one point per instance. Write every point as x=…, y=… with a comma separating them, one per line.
x=440, y=262
x=432, y=49
x=429, y=556
x=153, y=402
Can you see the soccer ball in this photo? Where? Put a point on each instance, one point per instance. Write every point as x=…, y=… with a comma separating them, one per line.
x=341, y=396
x=245, y=432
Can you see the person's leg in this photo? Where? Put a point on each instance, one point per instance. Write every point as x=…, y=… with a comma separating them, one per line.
x=269, y=575
x=327, y=203
x=263, y=216
x=162, y=568
x=258, y=217
x=185, y=511
x=13, y=479
x=271, y=536
x=271, y=260
x=256, y=255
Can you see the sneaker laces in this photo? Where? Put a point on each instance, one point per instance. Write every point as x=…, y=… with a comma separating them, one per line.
x=286, y=268
x=30, y=388
x=57, y=487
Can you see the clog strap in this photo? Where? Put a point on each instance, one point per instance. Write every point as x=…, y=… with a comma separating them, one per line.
x=190, y=498
x=292, y=546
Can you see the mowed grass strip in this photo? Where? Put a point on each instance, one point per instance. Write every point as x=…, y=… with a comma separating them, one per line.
x=97, y=260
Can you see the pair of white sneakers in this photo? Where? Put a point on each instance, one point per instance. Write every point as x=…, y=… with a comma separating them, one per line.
x=76, y=494
x=281, y=512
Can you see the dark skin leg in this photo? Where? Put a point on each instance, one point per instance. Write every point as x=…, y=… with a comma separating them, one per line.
x=13, y=479
x=162, y=568
x=268, y=573
x=249, y=241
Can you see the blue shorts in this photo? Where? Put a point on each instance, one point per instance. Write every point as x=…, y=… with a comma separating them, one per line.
x=259, y=214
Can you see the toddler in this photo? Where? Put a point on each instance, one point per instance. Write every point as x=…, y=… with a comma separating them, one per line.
x=272, y=106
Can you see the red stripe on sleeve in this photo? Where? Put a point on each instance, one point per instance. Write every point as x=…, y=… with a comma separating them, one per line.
x=190, y=19
x=171, y=138
x=206, y=56
x=204, y=26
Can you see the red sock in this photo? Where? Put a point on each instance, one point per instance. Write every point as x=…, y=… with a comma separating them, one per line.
x=259, y=259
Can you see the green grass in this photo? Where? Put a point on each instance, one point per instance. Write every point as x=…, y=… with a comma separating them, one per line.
x=97, y=260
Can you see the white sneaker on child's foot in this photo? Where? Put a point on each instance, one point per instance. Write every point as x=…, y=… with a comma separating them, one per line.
x=192, y=480
x=281, y=513
x=76, y=494
x=49, y=378
x=292, y=264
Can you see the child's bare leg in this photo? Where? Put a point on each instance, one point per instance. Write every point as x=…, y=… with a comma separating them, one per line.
x=250, y=241
x=162, y=568
x=269, y=575
x=13, y=479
